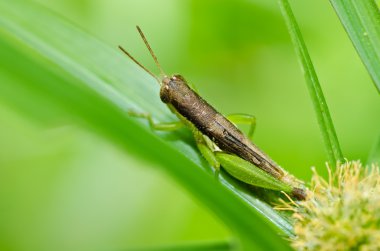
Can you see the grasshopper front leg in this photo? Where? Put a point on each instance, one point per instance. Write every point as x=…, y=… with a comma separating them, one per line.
x=205, y=146
x=170, y=126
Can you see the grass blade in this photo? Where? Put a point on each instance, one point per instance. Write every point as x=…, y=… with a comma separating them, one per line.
x=361, y=20
x=68, y=75
x=330, y=139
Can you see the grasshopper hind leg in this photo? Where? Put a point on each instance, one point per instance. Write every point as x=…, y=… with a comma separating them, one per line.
x=241, y=169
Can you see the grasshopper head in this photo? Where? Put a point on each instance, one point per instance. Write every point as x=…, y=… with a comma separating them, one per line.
x=171, y=87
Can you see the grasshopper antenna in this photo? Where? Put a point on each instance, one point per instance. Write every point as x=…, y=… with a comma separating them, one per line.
x=139, y=64
x=150, y=50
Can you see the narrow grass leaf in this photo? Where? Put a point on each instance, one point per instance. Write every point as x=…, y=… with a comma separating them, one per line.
x=330, y=138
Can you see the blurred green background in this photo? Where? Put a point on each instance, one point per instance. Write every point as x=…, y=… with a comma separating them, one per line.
x=65, y=188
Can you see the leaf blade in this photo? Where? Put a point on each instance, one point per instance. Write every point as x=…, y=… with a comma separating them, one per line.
x=330, y=139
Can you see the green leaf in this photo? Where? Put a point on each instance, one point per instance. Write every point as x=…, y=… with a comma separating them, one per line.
x=361, y=20
x=56, y=73
x=330, y=139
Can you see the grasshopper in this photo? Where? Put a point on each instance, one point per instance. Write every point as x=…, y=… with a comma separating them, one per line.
x=220, y=142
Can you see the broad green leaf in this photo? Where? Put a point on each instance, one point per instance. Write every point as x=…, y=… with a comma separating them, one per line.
x=330, y=139
x=361, y=20
x=56, y=73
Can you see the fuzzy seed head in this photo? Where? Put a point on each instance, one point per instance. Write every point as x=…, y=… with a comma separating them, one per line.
x=342, y=213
